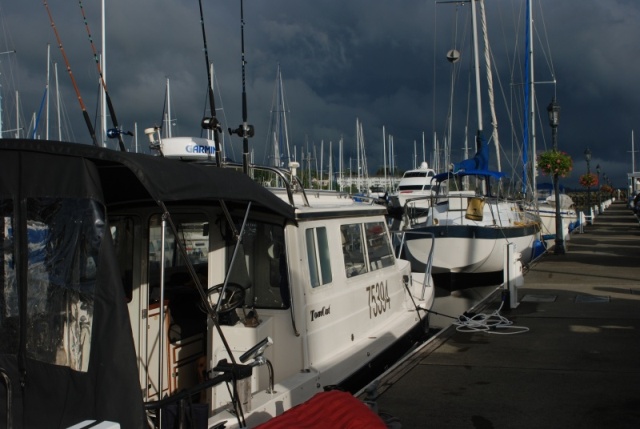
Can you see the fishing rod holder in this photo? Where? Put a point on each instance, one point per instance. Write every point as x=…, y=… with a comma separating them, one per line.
x=243, y=130
x=211, y=123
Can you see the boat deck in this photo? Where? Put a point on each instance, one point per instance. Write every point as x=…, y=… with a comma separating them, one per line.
x=578, y=365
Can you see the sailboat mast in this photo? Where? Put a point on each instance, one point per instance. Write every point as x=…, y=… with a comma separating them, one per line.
x=55, y=72
x=532, y=104
x=476, y=60
x=284, y=113
x=168, y=132
x=358, y=151
x=487, y=59
x=384, y=155
x=46, y=131
x=633, y=155
x=340, y=165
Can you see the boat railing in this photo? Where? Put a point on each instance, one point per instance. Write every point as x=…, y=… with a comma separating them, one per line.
x=400, y=237
x=412, y=214
x=284, y=176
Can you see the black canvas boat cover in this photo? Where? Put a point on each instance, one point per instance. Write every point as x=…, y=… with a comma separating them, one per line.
x=132, y=177
x=66, y=349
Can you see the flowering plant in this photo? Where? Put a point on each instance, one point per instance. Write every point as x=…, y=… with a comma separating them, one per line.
x=589, y=180
x=555, y=162
x=606, y=189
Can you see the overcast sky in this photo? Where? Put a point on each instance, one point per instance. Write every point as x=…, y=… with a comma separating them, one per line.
x=381, y=61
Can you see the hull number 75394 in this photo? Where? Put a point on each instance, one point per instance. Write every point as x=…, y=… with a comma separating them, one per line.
x=379, y=299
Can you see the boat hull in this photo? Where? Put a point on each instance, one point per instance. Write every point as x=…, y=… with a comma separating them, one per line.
x=469, y=248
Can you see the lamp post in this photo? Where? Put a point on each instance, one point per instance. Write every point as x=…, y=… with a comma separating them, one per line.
x=587, y=157
x=554, y=118
x=599, y=187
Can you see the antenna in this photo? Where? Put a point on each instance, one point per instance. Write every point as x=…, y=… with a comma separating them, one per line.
x=87, y=120
x=116, y=131
x=244, y=130
x=210, y=123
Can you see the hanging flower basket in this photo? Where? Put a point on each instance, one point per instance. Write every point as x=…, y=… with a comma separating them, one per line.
x=589, y=180
x=606, y=189
x=555, y=162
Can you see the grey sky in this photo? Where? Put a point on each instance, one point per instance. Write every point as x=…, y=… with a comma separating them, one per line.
x=381, y=61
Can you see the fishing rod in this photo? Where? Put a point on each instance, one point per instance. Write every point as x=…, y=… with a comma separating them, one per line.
x=73, y=80
x=244, y=130
x=116, y=131
x=210, y=123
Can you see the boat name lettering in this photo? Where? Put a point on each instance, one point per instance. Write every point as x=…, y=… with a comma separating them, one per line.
x=379, y=300
x=200, y=149
x=323, y=312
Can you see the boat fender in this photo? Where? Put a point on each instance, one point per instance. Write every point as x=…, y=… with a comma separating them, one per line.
x=475, y=207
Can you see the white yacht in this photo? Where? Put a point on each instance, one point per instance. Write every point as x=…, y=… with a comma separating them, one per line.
x=412, y=198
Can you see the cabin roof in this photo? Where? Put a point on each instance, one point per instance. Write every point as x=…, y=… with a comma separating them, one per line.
x=141, y=178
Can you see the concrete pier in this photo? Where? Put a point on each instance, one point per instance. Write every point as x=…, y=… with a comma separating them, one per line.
x=573, y=363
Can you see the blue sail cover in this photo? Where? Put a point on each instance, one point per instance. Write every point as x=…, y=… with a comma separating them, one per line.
x=480, y=160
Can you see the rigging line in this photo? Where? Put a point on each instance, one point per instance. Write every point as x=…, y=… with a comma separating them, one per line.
x=112, y=112
x=212, y=123
x=547, y=52
x=73, y=80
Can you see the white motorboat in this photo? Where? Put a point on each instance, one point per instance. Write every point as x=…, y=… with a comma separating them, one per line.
x=412, y=196
x=153, y=288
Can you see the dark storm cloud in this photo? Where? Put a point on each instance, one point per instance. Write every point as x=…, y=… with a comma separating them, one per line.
x=341, y=60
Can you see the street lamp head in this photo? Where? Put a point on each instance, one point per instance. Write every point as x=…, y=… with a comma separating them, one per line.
x=553, y=109
x=587, y=155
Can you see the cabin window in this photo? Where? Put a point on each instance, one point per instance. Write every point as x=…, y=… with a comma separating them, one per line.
x=64, y=236
x=9, y=320
x=353, y=249
x=261, y=265
x=318, y=256
x=378, y=246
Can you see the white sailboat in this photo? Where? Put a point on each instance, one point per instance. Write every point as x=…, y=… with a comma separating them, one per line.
x=470, y=217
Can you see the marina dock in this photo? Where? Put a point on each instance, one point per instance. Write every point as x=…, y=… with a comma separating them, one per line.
x=573, y=363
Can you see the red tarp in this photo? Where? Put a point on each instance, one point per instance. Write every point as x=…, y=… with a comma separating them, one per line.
x=334, y=409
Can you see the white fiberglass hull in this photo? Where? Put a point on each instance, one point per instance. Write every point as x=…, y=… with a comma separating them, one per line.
x=470, y=249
